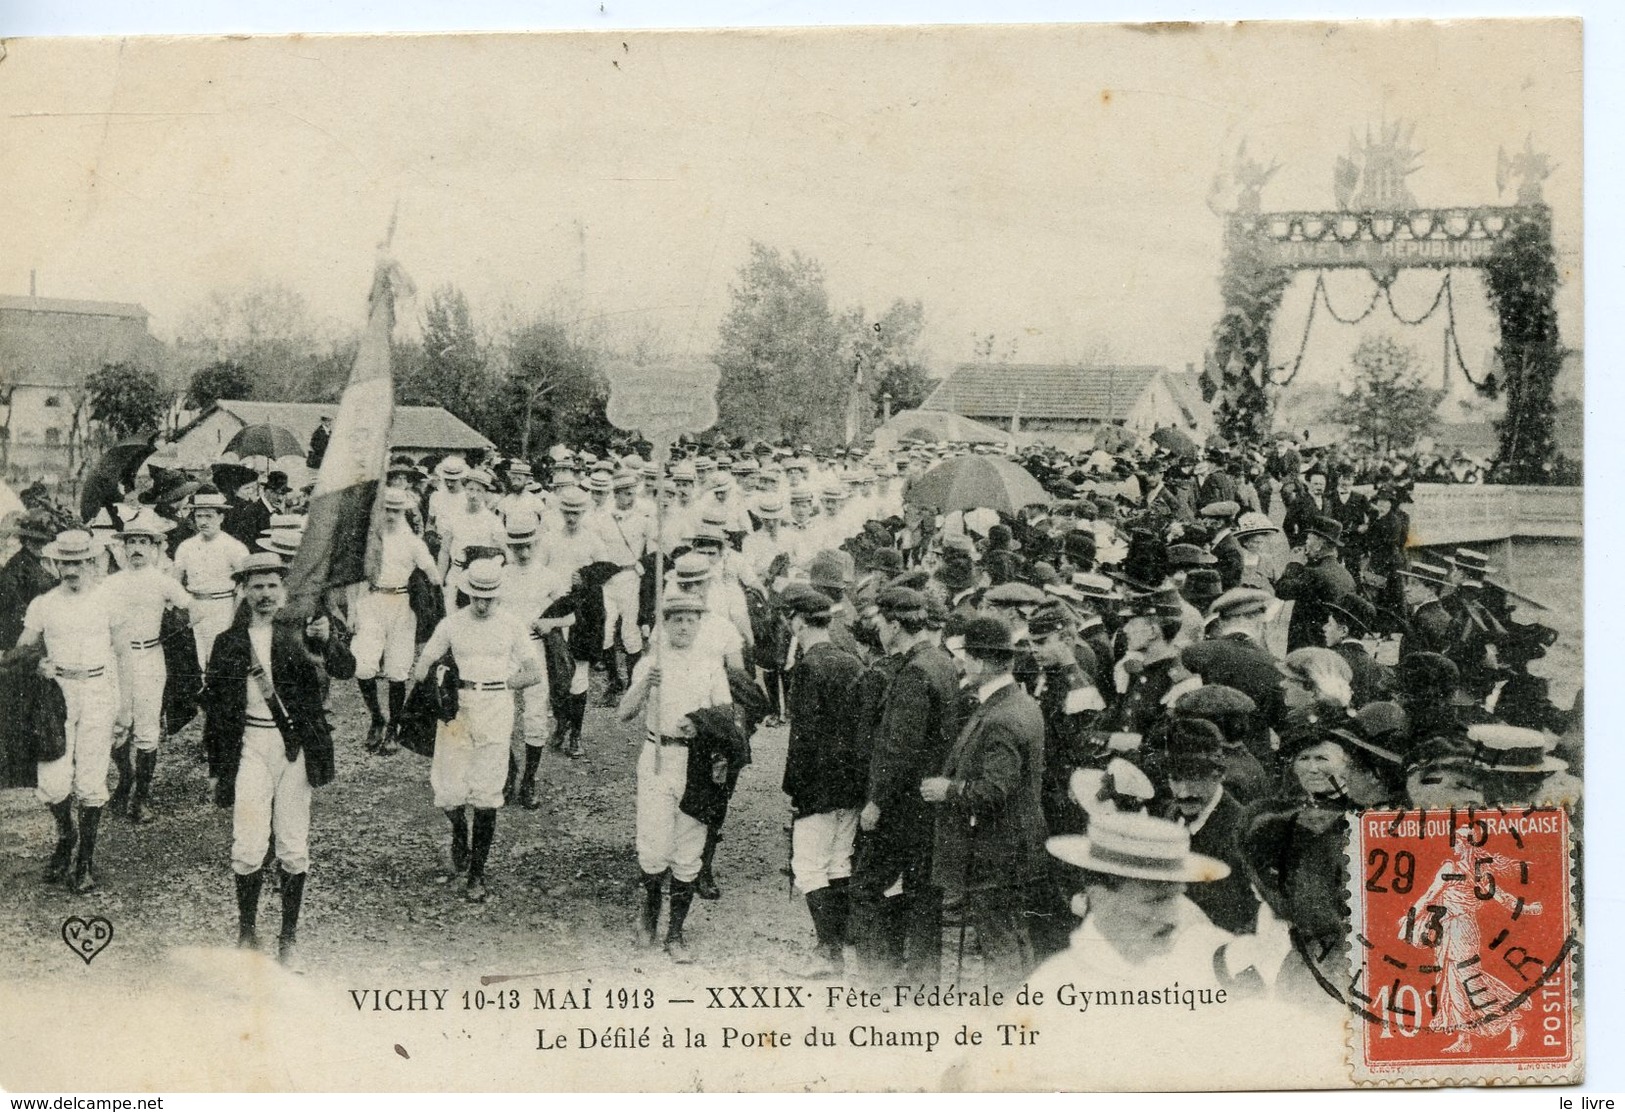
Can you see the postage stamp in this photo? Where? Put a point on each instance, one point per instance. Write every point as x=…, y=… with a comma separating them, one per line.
x=1463, y=946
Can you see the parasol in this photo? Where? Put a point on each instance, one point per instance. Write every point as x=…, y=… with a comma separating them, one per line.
x=267, y=441
x=106, y=481
x=1175, y=442
x=971, y=482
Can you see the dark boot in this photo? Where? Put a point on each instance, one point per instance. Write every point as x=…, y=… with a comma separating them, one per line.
x=120, y=799
x=84, y=873
x=293, y=895
x=613, y=685
x=510, y=782
x=146, y=764
x=578, y=714
x=840, y=913
x=397, y=707
x=248, y=905
x=649, y=920
x=459, y=839
x=705, y=884
x=527, y=783
x=62, y=857
x=823, y=956
x=485, y=829
x=682, y=898
x=375, y=731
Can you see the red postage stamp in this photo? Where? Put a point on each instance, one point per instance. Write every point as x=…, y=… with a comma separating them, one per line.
x=1462, y=945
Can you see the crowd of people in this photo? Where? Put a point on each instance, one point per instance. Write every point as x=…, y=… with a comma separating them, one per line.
x=1002, y=719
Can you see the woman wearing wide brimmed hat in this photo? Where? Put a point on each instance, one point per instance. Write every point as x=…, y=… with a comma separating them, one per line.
x=77, y=626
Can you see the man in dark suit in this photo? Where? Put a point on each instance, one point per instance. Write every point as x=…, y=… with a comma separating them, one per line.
x=825, y=770
x=1192, y=752
x=1350, y=509
x=1304, y=507
x=1233, y=655
x=1320, y=579
x=988, y=802
x=1347, y=621
x=1428, y=624
x=247, y=520
x=268, y=740
x=918, y=721
x=22, y=580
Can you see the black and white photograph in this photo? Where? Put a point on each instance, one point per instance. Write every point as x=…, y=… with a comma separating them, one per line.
x=845, y=559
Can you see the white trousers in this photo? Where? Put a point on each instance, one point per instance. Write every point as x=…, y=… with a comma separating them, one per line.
x=821, y=848
x=82, y=768
x=273, y=800
x=621, y=605
x=470, y=761
x=148, y=675
x=667, y=838
x=386, y=633
x=210, y=618
x=535, y=704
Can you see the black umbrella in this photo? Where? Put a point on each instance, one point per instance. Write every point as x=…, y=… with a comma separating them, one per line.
x=114, y=472
x=270, y=441
x=230, y=477
x=1176, y=442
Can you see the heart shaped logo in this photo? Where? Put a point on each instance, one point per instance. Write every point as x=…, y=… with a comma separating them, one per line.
x=87, y=937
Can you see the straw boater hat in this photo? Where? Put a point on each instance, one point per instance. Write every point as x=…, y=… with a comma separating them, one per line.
x=626, y=480
x=522, y=526
x=599, y=482
x=771, y=510
x=482, y=579
x=1432, y=574
x=208, y=498
x=72, y=546
x=256, y=562
x=519, y=467
x=397, y=499
x=283, y=542
x=691, y=567
x=574, y=500
x=676, y=602
x=1474, y=566
x=1137, y=846
x=146, y=523
x=1501, y=748
x=1252, y=523
x=452, y=467
x=481, y=476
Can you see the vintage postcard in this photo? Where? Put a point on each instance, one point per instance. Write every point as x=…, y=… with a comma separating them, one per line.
x=922, y=558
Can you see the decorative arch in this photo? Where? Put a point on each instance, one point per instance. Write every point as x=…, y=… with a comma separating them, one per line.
x=1382, y=230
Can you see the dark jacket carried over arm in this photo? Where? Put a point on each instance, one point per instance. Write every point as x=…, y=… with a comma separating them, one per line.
x=716, y=734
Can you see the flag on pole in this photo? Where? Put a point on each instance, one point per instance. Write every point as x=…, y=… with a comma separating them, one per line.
x=344, y=521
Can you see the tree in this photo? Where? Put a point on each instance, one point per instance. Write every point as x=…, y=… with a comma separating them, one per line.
x=267, y=329
x=1389, y=406
x=780, y=353
x=124, y=399
x=887, y=351
x=555, y=392
x=221, y=379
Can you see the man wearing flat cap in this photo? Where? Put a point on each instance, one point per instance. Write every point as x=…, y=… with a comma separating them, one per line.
x=1233, y=655
x=825, y=771
x=896, y=907
x=1319, y=580
x=988, y=799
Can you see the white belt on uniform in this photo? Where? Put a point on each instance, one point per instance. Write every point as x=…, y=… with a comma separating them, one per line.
x=255, y=722
x=483, y=685
x=213, y=595
x=377, y=590
x=80, y=673
x=141, y=646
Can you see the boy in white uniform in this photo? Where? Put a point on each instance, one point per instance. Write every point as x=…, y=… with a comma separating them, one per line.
x=669, y=683
x=205, y=564
x=76, y=624
x=627, y=532
x=386, y=629
x=142, y=591
x=494, y=656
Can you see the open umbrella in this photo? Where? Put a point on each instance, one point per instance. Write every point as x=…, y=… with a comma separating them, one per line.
x=970, y=482
x=231, y=477
x=116, y=469
x=1176, y=442
x=269, y=441
x=1113, y=439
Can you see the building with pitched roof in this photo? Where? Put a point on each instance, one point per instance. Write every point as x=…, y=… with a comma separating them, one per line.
x=1065, y=400
x=48, y=346
x=417, y=431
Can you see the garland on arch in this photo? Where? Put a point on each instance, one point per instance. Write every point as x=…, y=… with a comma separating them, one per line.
x=1521, y=279
x=1252, y=289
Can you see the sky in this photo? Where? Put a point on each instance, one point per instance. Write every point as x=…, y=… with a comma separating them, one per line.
x=1046, y=185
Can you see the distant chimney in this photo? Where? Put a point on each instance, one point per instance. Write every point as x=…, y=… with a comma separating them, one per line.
x=32, y=274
